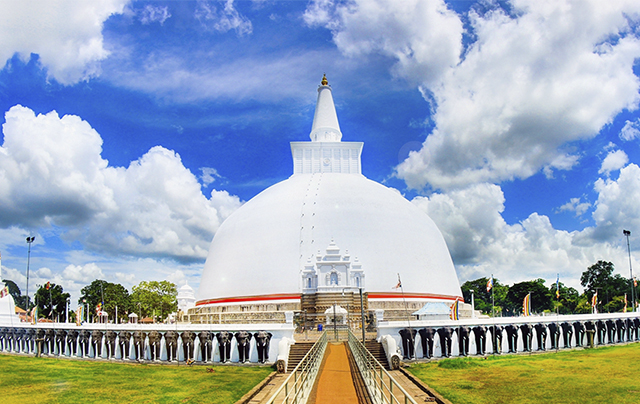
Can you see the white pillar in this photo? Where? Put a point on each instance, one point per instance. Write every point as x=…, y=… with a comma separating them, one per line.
x=473, y=306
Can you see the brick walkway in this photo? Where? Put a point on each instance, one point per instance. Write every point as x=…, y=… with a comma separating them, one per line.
x=334, y=384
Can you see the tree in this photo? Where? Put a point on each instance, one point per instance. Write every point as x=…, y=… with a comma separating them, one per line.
x=52, y=301
x=584, y=305
x=109, y=295
x=482, y=298
x=540, y=296
x=615, y=304
x=14, y=291
x=568, y=300
x=596, y=276
x=155, y=298
x=611, y=288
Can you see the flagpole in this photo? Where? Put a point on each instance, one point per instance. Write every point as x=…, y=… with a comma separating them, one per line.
x=407, y=311
x=50, y=300
x=557, y=308
x=493, y=317
x=558, y=295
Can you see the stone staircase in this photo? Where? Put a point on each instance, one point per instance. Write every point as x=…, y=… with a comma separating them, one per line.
x=296, y=353
x=376, y=349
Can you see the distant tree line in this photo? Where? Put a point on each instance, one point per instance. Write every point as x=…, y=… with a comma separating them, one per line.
x=598, y=278
x=156, y=299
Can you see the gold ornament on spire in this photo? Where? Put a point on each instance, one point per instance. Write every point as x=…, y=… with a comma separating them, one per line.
x=324, y=81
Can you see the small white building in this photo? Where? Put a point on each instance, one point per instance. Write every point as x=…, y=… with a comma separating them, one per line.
x=332, y=272
x=186, y=298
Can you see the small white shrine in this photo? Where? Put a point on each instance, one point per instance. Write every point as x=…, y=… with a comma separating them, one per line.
x=332, y=272
x=336, y=314
x=8, y=314
x=186, y=298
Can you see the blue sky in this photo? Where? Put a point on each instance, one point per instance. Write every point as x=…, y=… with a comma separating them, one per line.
x=131, y=130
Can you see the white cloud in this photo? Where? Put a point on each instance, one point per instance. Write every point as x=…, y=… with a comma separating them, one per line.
x=13, y=274
x=529, y=85
x=614, y=161
x=126, y=278
x=12, y=236
x=469, y=219
x=223, y=20
x=172, y=76
x=178, y=277
x=66, y=34
x=50, y=170
x=547, y=74
x=424, y=37
x=51, y=173
x=631, y=130
x=44, y=273
x=617, y=204
x=150, y=14
x=575, y=205
x=482, y=243
x=560, y=162
x=82, y=273
x=209, y=175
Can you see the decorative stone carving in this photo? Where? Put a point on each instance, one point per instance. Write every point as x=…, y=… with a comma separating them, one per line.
x=332, y=271
x=124, y=340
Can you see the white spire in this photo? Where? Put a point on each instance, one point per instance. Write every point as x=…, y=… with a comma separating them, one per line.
x=326, y=153
x=325, y=126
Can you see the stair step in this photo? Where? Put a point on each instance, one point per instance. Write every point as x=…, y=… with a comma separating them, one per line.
x=377, y=351
x=297, y=352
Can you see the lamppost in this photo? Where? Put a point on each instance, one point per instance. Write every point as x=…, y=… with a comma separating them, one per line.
x=29, y=241
x=627, y=233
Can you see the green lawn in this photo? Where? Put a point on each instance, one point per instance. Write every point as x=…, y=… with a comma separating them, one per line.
x=48, y=380
x=601, y=375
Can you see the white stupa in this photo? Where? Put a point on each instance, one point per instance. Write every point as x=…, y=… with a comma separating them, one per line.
x=8, y=314
x=186, y=298
x=327, y=229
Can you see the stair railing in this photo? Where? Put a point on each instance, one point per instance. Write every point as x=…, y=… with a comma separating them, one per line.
x=296, y=388
x=382, y=387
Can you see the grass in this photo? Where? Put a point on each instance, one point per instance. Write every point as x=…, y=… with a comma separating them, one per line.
x=48, y=380
x=601, y=375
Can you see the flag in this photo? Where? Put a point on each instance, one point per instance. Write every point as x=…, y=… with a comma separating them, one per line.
x=625, y=303
x=526, y=305
x=454, y=314
x=399, y=285
x=98, y=308
x=594, y=300
x=558, y=287
x=490, y=283
x=4, y=292
x=635, y=282
x=48, y=285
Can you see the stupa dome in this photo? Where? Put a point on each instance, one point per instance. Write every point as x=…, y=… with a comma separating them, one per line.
x=327, y=228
